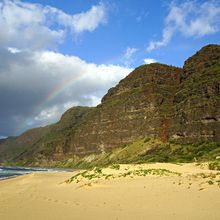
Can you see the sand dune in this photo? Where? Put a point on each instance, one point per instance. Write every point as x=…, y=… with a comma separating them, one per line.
x=195, y=194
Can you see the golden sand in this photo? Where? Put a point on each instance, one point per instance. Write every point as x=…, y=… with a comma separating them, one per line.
x=46, y=196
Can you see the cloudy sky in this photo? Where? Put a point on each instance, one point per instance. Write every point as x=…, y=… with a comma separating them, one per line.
x=55, y=54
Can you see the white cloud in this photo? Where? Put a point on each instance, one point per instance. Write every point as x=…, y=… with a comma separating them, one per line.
x=149, y=60
x=167, y=35
x=78, y=23
x=13, y=50
x=23, y=25
x=191, y=19
x=47, y=114
x=130, y=52
x=90, y=20
x=34, y=26
x=128, y=57
x=47, y=83
x=37, y=85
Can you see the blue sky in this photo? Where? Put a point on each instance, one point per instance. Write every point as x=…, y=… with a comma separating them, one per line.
x=132, y=24
x=55, y=54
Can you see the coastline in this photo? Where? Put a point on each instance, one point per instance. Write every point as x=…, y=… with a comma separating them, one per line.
x=8, y=172
x=47, y=195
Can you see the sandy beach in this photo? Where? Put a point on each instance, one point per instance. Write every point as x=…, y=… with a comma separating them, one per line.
x=194, y=194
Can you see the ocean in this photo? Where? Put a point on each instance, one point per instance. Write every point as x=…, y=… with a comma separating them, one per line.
x=9, y=172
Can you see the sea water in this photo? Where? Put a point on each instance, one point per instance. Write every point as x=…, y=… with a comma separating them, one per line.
x=9, y=172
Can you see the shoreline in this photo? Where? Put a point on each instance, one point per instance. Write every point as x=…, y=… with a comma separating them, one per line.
x=46, y=195
x=8, y=172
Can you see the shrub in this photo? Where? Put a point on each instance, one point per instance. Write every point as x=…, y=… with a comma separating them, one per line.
x=215, y=165
x=98, y=170
x=115, y=166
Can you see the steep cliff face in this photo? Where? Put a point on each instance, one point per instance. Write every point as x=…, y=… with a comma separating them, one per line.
x=197, y=101
x=156, y=100
x=56, y=143
x=140, y=105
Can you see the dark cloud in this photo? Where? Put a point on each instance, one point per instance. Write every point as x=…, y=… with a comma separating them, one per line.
x=37, y=87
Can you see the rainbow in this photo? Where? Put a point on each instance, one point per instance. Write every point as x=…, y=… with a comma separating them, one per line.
x=55, y=92
x=50, y=96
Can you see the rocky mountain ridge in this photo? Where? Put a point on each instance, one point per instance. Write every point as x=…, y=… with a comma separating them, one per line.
x=181, y=105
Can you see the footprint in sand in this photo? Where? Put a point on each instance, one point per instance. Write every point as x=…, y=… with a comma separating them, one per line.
x=51, y=200
x=55, y=201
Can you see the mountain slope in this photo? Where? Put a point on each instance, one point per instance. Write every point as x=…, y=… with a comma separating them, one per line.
x=154, y=101
x=45, y=142
x=139, y=105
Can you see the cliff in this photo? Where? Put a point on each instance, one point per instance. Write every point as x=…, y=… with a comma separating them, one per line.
x=181, y=105
x=197, y=101
x=140, y=105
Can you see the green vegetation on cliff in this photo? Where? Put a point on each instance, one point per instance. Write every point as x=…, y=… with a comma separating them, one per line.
x=149, y=150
